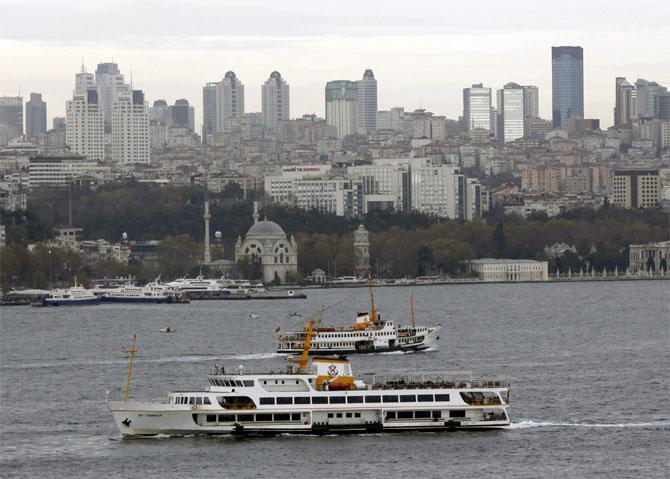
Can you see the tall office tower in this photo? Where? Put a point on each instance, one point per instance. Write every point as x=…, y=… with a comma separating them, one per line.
x=182, y=114
x=647, y=92
x=11, y=114
x=84, y=127
x=36, y=116
x=160, y=112
x=511, y=110
x=111, y=85
x=130, y=129
x=477, y=107
x=624, y=109
x=531, y=101
x=209, y=110
x=275, y=100
x=367, y=102
x=342, y=106
x=567, y=84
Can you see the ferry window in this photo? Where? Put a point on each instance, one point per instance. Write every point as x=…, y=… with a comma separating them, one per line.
x=354, y=399
x=211, y=418
x=198, y=400
x=337, y=399
x=407, y=398
x=339, y=414
x=425, y=397
x=437, y=414
x=191, y=400
x=248, y=383
x=266, y=401
x=245, y=417
x=405, y=414
x=349, y=414
x=373, y=399
x=301, y=400
x=284, y=400
x=422, y=414
x=442, y=397
x=263, y=417
x=295, y=416
x=206, y=401
x=226, y=417
x=319, y=400
x=390, y=398
x=390, y=415
x=282, y=417
x=239, y=383
x=330, y=415
x=357, y=414
x=457, y=413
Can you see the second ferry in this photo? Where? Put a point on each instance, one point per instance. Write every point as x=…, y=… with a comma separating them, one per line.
x=370, y=334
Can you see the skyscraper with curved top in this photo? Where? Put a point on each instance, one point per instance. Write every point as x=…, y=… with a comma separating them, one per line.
x=567, y=84
x=275, y=100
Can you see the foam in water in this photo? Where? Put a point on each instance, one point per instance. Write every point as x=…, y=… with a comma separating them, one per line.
x=532, y=424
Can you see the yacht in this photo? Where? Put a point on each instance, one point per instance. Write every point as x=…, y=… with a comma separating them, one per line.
x=348, y=281
x=151, y=293
x=369, y=334
x=318, y=395
x=74, y=296
x=199, y=287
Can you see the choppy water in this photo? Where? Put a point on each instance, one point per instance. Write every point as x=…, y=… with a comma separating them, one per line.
x=589, y=365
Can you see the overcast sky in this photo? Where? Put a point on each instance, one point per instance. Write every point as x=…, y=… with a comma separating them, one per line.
x=422, y=52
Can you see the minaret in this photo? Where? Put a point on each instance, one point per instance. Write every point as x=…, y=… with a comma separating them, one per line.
x=255, y=212
x=207, y=216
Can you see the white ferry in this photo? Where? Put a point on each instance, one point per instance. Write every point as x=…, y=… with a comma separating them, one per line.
x=151, y=293
x=199, y=287
x=348, y=281
x=320, y=396
x=370, y=334
x=74, y=296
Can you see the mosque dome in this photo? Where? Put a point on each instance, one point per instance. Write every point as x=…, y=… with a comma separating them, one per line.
x=265, y=229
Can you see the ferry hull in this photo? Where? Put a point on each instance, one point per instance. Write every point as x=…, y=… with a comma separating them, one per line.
x=131, y=299
x=347, y=351
x=71, y=302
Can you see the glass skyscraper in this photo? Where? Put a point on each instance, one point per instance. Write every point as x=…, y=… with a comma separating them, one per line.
x=567, y=84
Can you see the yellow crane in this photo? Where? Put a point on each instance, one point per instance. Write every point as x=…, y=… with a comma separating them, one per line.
x=131, y=351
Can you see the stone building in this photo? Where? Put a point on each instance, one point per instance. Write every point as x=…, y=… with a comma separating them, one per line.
x=640, y=254
x=267, y=246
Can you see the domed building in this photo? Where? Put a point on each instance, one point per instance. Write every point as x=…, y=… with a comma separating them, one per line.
x=267, y=246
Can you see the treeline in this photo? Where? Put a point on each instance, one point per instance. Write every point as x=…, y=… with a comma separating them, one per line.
x=401, y=244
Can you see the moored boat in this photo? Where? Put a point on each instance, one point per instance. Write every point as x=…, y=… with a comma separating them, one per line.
x=74, y=296
x=319, y=396
x=129, y=293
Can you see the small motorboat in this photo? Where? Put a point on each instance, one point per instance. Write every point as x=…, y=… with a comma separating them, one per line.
x=253, y=316
x=167, y=330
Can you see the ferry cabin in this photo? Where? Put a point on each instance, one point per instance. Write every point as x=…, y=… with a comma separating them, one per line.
x=329, y=400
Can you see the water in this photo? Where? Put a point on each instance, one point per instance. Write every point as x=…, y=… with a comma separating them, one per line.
x=588, y=364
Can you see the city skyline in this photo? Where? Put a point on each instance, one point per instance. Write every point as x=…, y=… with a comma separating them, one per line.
x=436, y=56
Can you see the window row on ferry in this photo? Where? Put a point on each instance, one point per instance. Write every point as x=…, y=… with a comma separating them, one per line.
x=386, y=398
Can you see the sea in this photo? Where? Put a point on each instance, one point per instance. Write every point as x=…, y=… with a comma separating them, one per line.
x=588, y=362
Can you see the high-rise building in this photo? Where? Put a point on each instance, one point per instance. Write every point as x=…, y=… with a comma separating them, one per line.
x=477, y=107
x=624, y=109
x=275, y=100
x=567, y=84
x=230, y=100
x=342, y=106
x=662, y=106
x=342, y=113
x=159, y=112
x=84, y=127
x=183, y=115
x=36, y=116
x=130, y=129
x=209, y=110
x=58, y=123
x=11, y=114
x=636, y=188
x=111, y=86
x=511, y=109
x=367, y=103
x=531, y=101
x=647, y=93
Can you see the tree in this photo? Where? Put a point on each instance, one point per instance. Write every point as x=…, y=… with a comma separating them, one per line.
x=651, y=264
x=499, y=239
x=177, y=255
x=448, y=254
